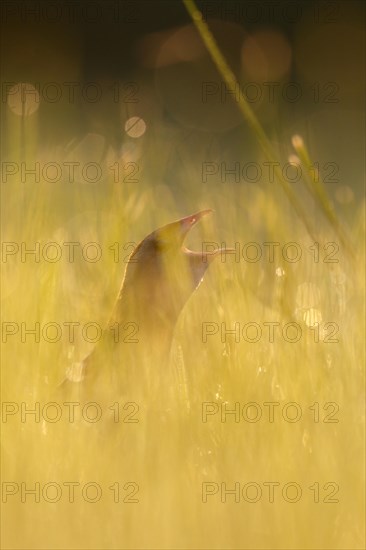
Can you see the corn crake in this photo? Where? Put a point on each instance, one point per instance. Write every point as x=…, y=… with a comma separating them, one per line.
x=160, y=277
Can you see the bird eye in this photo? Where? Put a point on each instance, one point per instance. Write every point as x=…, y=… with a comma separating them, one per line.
x=193, y=220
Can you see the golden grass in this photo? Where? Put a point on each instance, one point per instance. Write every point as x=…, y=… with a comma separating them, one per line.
x=170, y=452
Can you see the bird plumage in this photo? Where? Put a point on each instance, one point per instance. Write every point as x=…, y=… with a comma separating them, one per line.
x=160, y=277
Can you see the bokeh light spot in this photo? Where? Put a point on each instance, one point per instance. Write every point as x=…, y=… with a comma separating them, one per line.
x=266, y=54
x=135, y=127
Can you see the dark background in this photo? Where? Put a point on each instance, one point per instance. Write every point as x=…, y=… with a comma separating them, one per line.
x=109, y=43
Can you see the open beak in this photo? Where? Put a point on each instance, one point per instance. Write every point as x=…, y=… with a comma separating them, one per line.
x=190, y=221
x=206, y=255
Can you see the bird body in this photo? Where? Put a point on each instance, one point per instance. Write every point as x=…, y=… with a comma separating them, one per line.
x=160, y=277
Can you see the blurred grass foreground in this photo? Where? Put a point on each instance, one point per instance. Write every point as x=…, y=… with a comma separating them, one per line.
x=252, y=434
